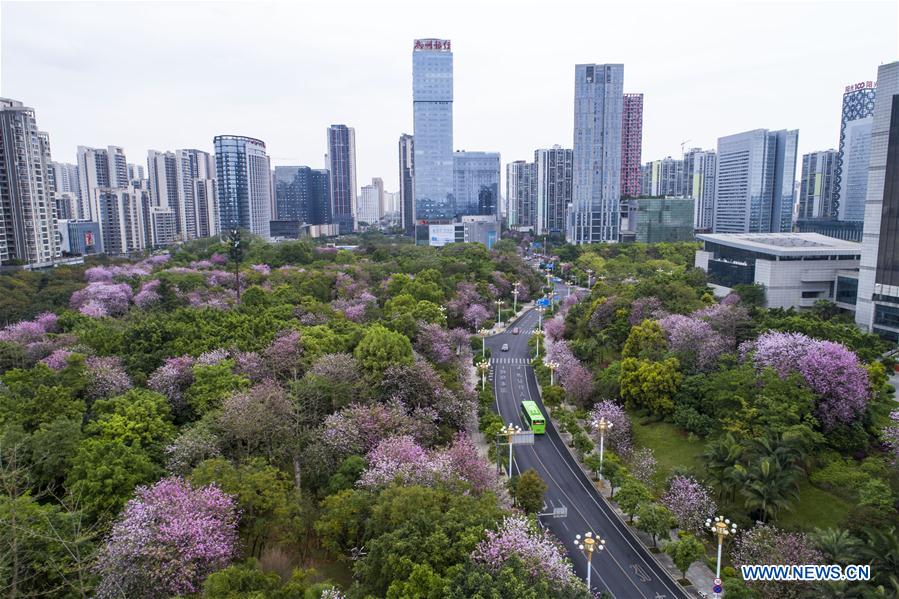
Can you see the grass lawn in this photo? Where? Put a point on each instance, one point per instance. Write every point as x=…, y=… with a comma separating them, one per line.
x=670, y=446
x=815, y=508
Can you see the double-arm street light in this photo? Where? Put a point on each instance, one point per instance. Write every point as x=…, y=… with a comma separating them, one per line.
x=602, y=425
x=499, y=315
x=552, y=371
x=722, y=528
x=483, y=333
x=515, y=293
x=589, y=544
x=483, y=367
x=509, y=431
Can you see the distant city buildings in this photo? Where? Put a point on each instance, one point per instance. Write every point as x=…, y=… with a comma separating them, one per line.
x=162, y=168
x=754, y=182
x=368, y=209
x=98, y=168
x=432, y=114
x=699, y=184
x=658, y=220
x=521, y=195
x=631, y=144
x=596, y=187
x=243, y=174
x=407, y=183
x=663, y=177
x=302, y=194
x=342, y=168
x=851, y=171
x=123, y=215
x=878, y=282
x=28, y=227
x=476, y=183
x=552, y=187
x=816, y=184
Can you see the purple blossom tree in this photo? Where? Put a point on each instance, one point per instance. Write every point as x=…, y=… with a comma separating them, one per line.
x=170, y=537
x=697, y=345
x=282, y=356
x=617, y=438
x=337, y=368
x=766, y=544
x=259, y=420
x=249, y=364
x=213, y=357
x=172, y=379
x=195, y=444
x=475, y=316
x=218, y=259
x=397, y=459
x=148, y=294
x=30, y=331
x=263, y=269
x=358, y=428
x=106, y=377
x=578, y=385
x=100, y=296
x=58, y=359
x=464, y=461
x=642, y=464
x=98, y=273
x=433, y=341
x=891, y=436
x=554, y=328
x=541, y=555
x=603, y=314
x=643, y=308
x=690, y=502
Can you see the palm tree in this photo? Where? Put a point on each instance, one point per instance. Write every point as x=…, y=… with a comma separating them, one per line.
x=881, y=551
x=837, y=545
x=721, y=456
x=769, y=487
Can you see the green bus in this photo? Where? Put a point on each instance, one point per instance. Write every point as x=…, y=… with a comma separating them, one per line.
x=533, y=417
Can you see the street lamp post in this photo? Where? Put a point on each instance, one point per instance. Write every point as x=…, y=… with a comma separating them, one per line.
x=515, y=299
x=602, y=426
x=483, y=333
x=483, y=366
x=589, y=544
x=509, y=431
x=499, y=315
x=552, y=371
x=722, y=528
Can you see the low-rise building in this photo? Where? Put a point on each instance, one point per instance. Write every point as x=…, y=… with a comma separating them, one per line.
x=657, y=220
x=796, y=269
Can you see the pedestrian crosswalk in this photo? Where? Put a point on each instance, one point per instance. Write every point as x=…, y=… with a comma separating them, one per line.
x=503, y=360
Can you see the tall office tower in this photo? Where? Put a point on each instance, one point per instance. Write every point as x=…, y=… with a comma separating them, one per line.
x=407, y=183
x=195, y=175
x=368, y=206
x=342, y=163
x=476, y=183
x=99, y=168
x=663, y=177
x=552, y=185
x=596, y=171
x=432, y=115
x=699, y=184
x=521, y=194
x=123, y=214
x=816, y=184
x=851, y=172
x=28, y=227
x=302, y=194
x=136, y=174
x=162, y=168
x=754, y=182
x=877, y=306
x=631, y=144
x=244, y=183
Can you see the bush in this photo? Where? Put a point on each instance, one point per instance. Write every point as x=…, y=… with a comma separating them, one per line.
x=692, y=421
x=582, y=444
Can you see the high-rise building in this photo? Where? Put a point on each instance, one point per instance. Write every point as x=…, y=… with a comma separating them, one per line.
x=596, y=171
x=378, y=184
x=368, y=207
x=699, y=184
x=64, y=177
x=661, y=178
x=123, y=214
x=243, y=174
x=407, y=183
x=851, y=172
x=342, y=167
x=432, y=115
x=816, y=184
x=302, y=194
x=521, y=194
x=631, y=144
x=163, y=226
x=207, y=205
x=476, y=183
x=98, y=168
x=28, y=227
x=754, y=182
x=553, y=176
x=162, y=168
x=877, y=306
x=659, y=220
x=136, y=174
x=195, y=173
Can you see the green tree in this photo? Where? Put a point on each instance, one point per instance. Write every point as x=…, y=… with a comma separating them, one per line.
x=655, y=519
x=646, y=341
x=341, y=525
x=631, y=494
x=512, y=581
x=769, y=487
x=529, y=489
x=380, y=348
x=877, y=494
x=139, y=418
x=685, y=551
x=347, y=474
x=213, y=383
x=721, y=457
x=650, y=385
x=751, y=295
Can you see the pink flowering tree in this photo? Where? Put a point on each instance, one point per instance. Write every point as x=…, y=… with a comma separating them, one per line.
x=541, y=555
x=691, y=503
x=475, y=316
x=831, y=370
x=696, y=344
x=891, y=436
x=358, y=428
x=766, y=544
x=102, y=298
x=433, y=341
x=642, y=464
x=554, y=328
x=282, y=356
x=464, y=461
x=170, y=537
x=106, y=377
x=172, y=379
x=618, y=438
x=644, y=308
x=30, y=331
x=58, y=359
x=337, y=368
x=397, y=459
x=148, y=294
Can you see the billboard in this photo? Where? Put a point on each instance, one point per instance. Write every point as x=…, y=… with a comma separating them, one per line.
x=440, y=235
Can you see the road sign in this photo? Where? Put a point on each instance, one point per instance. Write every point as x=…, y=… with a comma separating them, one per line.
x=717, y=582
x=717, y=588
x=543, y=302
x=560, y=512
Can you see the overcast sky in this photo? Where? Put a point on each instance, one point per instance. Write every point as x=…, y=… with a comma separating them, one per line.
x=169, y=75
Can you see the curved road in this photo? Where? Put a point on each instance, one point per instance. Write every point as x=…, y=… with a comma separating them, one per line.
x=625, y=569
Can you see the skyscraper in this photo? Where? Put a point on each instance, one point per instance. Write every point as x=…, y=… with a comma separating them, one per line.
x=162, y=168
x=552, y=169
x=631, y=144
x=596, y=187
x=476, y=183
x=243, y=174
x=27, y=209
x=123, y=214
x=378, y=184
x=342, y=161
x=877, y=306
x=816, y=184
x=407, y=183
x=195, y=171
x=699, y=184
x=64, y=177
x=851, y=171
x=663, y=177
x=754, y=182
x=136, y=174
x=432, y=115
x=368, y=206
x=99, y=168
x=521, y=192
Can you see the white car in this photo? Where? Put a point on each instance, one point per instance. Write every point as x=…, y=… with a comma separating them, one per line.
x=505, y=347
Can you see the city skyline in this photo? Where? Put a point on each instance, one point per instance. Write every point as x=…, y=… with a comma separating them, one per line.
x=34, y=70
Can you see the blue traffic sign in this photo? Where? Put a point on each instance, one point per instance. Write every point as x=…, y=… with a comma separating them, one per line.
x=543, y=302
x=717, y=588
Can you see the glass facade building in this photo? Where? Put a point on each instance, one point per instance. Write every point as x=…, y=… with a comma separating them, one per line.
x=476, y=183
x=851, y=170
x=816, y=184
x=302, y=194
x=754, y=182
x=658, y=220
x=596, y=170
x=432, y=114
x=521, y=194
x=342, y=162
x=553, y=173
x=699, y=184
x=243, y=172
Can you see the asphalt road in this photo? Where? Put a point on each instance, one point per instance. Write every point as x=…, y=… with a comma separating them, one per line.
x=625, y=569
